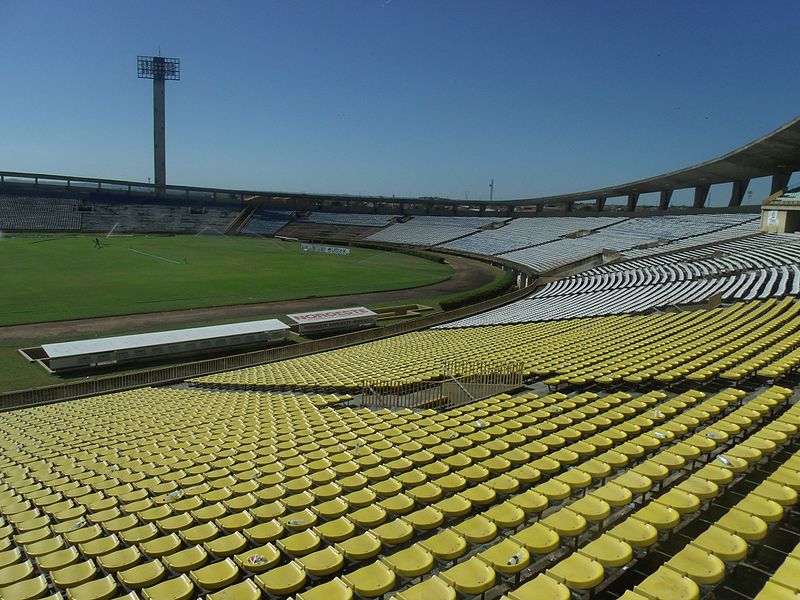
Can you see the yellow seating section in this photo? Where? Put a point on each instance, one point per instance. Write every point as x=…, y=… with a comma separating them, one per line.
x=733, y=343
x=187, y=493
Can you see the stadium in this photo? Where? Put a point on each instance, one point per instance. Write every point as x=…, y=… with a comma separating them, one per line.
x=226, y=393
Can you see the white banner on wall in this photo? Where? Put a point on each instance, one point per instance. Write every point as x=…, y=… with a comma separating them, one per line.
x=772, y=217
x=324, y=249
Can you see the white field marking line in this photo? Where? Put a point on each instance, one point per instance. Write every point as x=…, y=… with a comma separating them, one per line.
x=175, y=262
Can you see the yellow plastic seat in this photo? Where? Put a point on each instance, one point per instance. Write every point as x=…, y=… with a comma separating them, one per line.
x=719, y=475
x=301, y=543
x=541, y=587
x=635, y=532
x=786, y=573
x=667, y=584
x=394, y=532
x=702, y=488
x=578, y=572
x=335, y=589
x=565, y=523
x=446, y=545
x=609, y=551
x=399, y=504
x=636, y=483
x=769, y=510
x=199, y=533
x=74, y=575
x=336, y=530
x=143, y=575
x=721, y=543
x=179, y=588
x=425, y=519
x=681, y=501
x=782, y=494
x=368, y=517
x=505, y=515
x=553, y=490
x=119, y=560
x=531, y=502
x=470, y=577
x=216, y=575
x=371, y=581
x=331, y=509
x=226, y=545
x=360, y=547
x=258, y=560
x=537, y=538
x=413, y=561
x=750, y=527
x=433, y=587
x=58, y=559
x=161, y=546
x=591, y=508
x=264, y=532
x=98, y=546
x=283, y=580
x=99, y=589
x=506, y=557
x=478, y=494
x=614, y=494
x=322, y=562
x=477, y=530
x=184, y=561
x=775, y=591
x=245, y=590
x=702, y=567
x=27, y=589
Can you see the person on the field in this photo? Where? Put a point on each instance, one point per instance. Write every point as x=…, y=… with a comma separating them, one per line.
x=97, y=243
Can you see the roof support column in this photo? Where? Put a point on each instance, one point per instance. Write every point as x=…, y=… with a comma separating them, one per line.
x=780, y=181
x=600, y=204
x=633, y=200
x=428, y=209
x=455, y=210
x=663, y=199
x=568, y=207
x=539, y=208
x=482, y=209
x=509, y=209
x=700, y=196
x=738, y=192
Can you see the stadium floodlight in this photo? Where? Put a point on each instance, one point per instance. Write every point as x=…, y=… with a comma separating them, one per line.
x=159, y=69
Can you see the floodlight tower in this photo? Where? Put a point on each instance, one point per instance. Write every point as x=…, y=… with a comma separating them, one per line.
x=159, y=69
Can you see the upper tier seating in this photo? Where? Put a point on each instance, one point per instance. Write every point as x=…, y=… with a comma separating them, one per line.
x=525, y=232
x=361, y=219
x=679, y=231
x=265, y=221
x=156, y=217
x=28, y=213
x=429, y=231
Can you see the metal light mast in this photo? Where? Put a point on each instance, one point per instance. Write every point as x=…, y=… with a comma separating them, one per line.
x=159, y=69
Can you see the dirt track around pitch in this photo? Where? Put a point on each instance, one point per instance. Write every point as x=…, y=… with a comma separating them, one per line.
x=468, y=274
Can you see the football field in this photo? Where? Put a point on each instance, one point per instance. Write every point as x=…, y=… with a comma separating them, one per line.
x=49, y=277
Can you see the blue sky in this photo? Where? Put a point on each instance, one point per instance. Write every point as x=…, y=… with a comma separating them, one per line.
x=405, y=97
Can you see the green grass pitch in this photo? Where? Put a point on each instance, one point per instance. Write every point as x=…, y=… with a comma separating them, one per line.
x=48, y=278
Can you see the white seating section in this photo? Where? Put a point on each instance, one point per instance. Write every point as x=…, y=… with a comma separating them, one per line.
x=625, y=236
x=266, y=222
x=430, y=231
x=361, y=220
x=524, y=232
x=169, y=217
x=757, y=267
x=38, y=213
